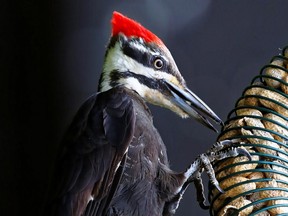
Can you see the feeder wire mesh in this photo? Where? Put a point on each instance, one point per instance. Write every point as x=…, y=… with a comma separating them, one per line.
x=260, y=122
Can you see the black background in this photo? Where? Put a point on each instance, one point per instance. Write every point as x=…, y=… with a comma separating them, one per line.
x=51, y=54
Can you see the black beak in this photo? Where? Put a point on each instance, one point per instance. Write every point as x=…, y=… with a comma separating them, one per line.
x=191, y=104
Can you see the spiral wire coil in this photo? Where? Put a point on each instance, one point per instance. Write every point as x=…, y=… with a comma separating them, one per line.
x=264, y=158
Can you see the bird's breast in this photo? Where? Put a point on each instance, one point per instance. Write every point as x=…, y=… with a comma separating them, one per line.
x=146, y=149
x=138, y=192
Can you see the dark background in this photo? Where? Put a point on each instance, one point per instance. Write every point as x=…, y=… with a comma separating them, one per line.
x=51, y=54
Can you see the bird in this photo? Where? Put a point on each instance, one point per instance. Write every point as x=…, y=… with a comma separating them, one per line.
x=112, y=160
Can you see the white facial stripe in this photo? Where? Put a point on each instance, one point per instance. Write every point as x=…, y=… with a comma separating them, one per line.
x=116, y=60
x=138, y=68
x=142, y=48
x=152, y=96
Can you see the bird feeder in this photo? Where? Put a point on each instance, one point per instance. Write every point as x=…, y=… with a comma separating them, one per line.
x=259, y=122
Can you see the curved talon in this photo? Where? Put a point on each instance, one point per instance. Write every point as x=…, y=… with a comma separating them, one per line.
x=219, y=188
x=219, y=145
x=243, y=151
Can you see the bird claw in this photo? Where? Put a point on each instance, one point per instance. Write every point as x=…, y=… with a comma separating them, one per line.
x=225, y=149
x=216, y=184
x=219, y=151
x=244, y=152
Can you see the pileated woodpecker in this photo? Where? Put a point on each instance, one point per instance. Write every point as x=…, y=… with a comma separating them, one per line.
x=113, y=160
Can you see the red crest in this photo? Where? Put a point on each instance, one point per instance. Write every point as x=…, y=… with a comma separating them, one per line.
x=131, y=28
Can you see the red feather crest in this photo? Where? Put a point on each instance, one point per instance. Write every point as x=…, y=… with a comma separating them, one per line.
x=130, y=28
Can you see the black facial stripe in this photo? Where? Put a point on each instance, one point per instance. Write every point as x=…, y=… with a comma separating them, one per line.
x=149, y=82
x=146, y=58
x=143, y=58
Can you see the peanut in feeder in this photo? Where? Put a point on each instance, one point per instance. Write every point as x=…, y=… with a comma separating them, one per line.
x=260, y=123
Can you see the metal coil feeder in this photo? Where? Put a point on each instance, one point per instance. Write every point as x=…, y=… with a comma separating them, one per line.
x=267, y=193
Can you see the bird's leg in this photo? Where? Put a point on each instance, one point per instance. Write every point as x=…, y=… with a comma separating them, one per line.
x=203, y=162
x=219, y=151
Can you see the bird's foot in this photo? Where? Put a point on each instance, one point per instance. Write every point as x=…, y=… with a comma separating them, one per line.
x=219, y=151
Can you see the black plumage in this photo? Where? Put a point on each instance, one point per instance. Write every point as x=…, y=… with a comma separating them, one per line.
x=113, y=127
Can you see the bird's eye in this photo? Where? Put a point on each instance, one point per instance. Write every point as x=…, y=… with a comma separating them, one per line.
x=158, y=63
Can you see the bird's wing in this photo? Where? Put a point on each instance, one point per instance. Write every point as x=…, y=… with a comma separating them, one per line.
x=94, y=148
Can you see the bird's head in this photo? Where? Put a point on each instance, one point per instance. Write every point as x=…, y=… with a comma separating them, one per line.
x=139, y=60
